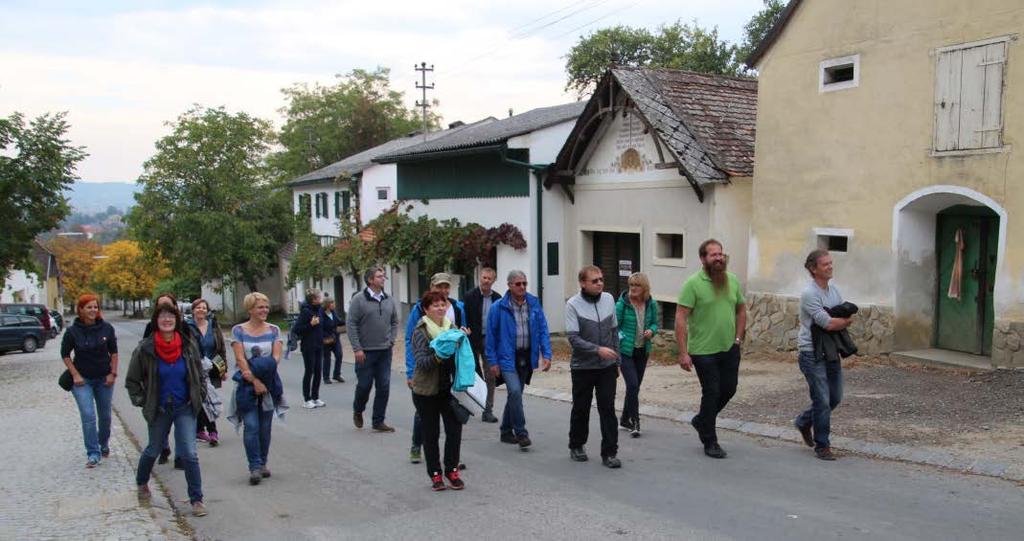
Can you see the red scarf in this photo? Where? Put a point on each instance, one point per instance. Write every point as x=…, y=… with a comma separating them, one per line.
x=169, y=352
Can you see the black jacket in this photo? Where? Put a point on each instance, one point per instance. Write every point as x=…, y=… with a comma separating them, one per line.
x=312, y=336
x=92, y=344
x=474, y=303
x=834, y=345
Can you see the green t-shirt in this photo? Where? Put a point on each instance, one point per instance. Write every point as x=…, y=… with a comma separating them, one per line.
x=711, y=325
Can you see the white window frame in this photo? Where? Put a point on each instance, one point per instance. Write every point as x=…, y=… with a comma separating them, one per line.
x=668, y=261
x=844, y=85
x=820, y=232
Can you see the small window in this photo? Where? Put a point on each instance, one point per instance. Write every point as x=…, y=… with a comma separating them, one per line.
x=668, y=246
x=834, y=243
x=552, y=259
x=839, y=73
x=668, y=315
x=382, y=194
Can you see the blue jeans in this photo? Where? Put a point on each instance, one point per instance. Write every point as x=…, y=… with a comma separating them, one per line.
x=93, y=399
x=374, y=372
x=825, y=381
x=184, y=421
x=256, y=437
x=513, y=420
x=633, y=368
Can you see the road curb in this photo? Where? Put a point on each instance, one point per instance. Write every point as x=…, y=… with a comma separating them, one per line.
x=926, y=456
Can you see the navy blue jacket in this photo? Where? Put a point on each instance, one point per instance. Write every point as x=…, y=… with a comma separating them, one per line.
x=312, y=336
x=264, y=368
x=93, y=345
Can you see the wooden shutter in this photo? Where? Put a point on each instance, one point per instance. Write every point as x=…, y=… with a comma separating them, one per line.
x=337, y=204
x=346, y=203
x=968, y=97
x=947, y=100
x=992, y=112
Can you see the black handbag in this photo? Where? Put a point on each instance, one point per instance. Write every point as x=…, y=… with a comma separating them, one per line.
x=462, y=413
x=65, y=380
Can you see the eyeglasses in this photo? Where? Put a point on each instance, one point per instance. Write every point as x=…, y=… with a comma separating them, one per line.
x=519, y=283
x=597, y=280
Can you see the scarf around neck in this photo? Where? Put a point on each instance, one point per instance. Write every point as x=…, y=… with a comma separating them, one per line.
x=169, y=352
x=433, y=329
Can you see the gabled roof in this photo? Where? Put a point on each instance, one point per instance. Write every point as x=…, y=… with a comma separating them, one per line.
x=356, y=163
x=490, y=133
x=706, y=122
x=772, y=35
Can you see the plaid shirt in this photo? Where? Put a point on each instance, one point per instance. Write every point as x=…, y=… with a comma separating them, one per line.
x=522, y=314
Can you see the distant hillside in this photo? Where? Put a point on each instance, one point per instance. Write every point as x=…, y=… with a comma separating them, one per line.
x=93, y=197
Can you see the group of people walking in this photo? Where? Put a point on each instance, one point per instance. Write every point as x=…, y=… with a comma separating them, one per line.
x=175, y=370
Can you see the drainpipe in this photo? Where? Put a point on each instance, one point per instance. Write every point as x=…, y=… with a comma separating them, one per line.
x=537, y=170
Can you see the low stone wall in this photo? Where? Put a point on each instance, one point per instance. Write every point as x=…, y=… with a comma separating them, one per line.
x=1007, y=349
x=773, y=322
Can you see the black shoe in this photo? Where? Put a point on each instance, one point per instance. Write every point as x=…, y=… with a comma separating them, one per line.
x=713, y=450
x=524, y=442
x=635, y=432
x=509, y=438
x=357, y=419
x=578, y=454
x=825, y=453
x=179, y=464
x=327, y=381
x=488, y=417
x=805, y=431
x=381, y=427
x=611, y=462
x=164, y=455
x=339, y=379
x=626, y=424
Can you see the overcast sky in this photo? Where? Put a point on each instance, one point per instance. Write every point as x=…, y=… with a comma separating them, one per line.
x=123, y=68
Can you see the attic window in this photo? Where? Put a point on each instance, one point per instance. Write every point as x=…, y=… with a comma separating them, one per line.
x=839, y=73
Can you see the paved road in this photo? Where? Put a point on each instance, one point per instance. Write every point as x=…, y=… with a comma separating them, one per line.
x=332, y=481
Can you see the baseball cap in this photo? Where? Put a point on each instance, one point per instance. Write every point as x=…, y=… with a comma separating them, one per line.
x=441, y=278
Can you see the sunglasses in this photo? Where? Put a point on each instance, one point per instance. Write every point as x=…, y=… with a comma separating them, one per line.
x=519, y=283
x=596, y=280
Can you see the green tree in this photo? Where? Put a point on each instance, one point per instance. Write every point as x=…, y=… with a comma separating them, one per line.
x=677, y=46
x=210, y=203
x=758, y=26
x=325, y=124
x=37, y=164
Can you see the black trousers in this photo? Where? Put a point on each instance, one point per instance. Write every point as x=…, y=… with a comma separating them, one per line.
x=431, y=410
x=332, y=349
x=584, y=385
x=718, y=374
x=204, y=424
x=312, y=359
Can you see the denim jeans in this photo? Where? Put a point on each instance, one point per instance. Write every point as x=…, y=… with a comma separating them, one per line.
x=585, y=384
x=431, y=410
x=825, y=382
x=184, y=421
x=332, y=349
x=513, y=420
x=718, y=374
x=93, y=399
x=374, y=372
x=633, y=368
x=312, y=359
x=256, y=436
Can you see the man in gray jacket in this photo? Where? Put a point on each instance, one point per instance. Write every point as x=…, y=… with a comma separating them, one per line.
x=593, y=333
x=372, y=324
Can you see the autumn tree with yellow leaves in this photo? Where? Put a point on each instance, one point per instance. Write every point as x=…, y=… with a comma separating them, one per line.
x=126, y=272
x=76, y=258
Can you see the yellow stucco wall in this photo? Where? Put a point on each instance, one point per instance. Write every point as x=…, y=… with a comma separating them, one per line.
x=844, y=159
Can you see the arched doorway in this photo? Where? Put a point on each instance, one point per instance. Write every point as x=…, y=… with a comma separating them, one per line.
x=948, y=242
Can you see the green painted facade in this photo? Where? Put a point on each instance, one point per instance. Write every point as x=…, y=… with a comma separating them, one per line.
x=469, y=175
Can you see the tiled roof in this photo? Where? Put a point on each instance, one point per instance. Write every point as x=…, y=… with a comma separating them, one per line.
x=707, y=121
x=488, y=133
x=357, y=162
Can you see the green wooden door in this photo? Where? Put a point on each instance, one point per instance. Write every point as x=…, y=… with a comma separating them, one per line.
x=965, y=324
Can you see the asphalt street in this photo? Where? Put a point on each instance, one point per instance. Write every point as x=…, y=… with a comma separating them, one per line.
x=333, y=481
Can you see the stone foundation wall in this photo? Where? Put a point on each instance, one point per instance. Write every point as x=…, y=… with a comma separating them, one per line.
x=1007, y=347
x=773, y=322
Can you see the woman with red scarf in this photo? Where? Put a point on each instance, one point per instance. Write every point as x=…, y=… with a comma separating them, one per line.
x=166, y=379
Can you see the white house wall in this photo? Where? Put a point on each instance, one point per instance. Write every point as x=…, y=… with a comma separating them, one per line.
x=377, y=176
x=20, y=286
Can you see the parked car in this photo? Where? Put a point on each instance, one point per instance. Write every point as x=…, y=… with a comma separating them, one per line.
x=21, y=332
x=38, y=311
x=59, y=319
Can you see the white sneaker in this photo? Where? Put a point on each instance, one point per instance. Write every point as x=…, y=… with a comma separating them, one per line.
x=319, y=403
x=309, y=404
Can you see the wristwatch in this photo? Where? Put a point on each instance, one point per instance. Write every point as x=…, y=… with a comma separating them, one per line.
x=739, y=341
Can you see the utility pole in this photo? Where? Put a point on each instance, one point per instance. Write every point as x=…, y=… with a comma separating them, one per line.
x=423, y=69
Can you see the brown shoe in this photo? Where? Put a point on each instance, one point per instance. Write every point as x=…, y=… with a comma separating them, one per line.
x=357, y=419
x=825, y=453
x=381, y=427
x=805, y=431
x=198, y=509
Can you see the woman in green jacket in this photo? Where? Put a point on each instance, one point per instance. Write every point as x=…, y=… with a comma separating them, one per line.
x=637, y=314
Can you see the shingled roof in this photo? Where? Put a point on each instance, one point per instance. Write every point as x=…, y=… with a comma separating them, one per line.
x=705, y=121
x=357, y=162
x=490, y=133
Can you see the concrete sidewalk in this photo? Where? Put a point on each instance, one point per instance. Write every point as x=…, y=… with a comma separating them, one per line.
x=47, y=493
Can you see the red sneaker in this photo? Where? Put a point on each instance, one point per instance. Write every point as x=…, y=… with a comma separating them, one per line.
x=454, y=481
x=438, y=482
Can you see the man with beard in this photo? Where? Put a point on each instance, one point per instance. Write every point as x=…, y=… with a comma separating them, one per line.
x=711, y=317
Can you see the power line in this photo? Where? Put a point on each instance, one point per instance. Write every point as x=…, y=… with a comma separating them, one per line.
x=605, y=16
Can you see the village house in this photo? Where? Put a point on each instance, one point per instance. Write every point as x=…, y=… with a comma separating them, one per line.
x=491, y=173
x=658, y=161
x=886, y=133
x=41, y=286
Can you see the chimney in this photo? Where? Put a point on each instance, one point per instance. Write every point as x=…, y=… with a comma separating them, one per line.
x=510, y=112
x=456, y=124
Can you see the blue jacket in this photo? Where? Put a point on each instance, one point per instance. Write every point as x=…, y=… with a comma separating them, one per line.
x=312, y=335
x=455, y=343
x=414, y=318
x=501, y=333
x=263, y=368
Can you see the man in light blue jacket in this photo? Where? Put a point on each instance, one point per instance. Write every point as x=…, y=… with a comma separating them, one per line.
x=517, y=336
